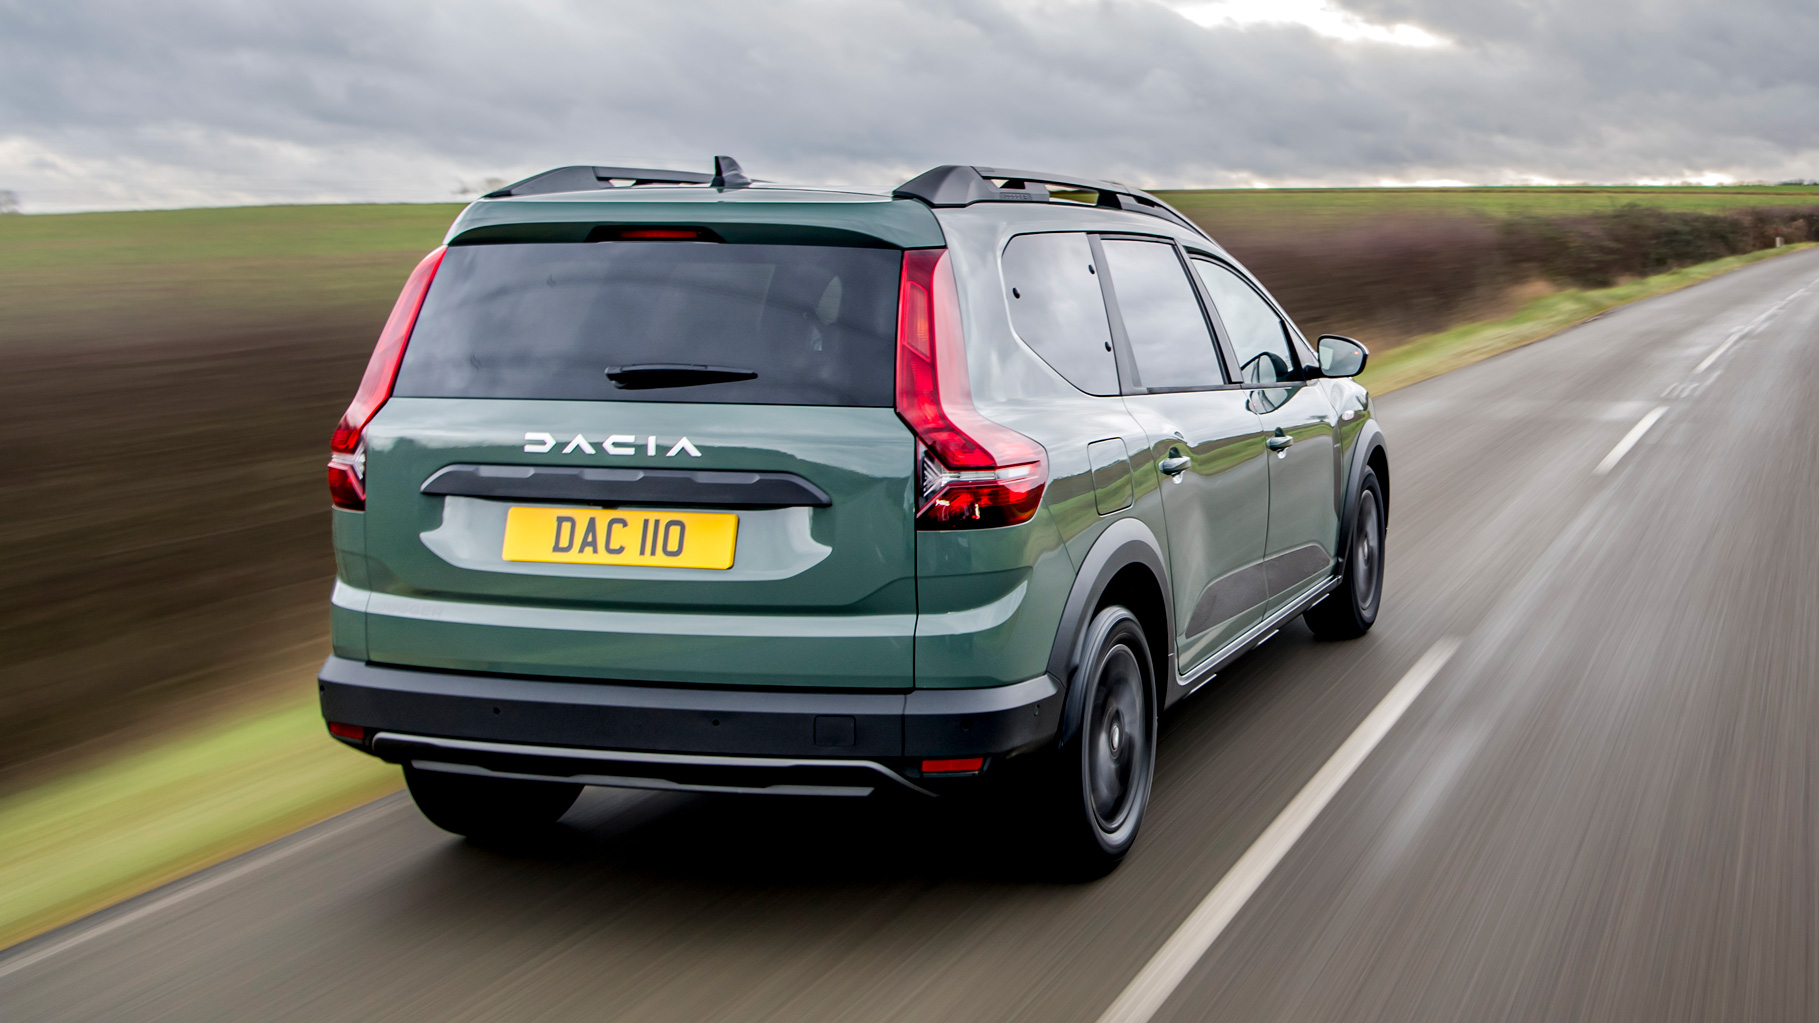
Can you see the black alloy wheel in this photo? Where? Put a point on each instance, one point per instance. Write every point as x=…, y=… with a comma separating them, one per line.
x=489, y=810
x=1097, y=787
x=1351, y=609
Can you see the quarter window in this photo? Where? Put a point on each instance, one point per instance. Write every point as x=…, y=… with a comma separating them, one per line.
x=1058, y=309
x=1162, y=317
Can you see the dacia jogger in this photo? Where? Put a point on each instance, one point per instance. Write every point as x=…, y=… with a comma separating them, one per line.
x=668, y=480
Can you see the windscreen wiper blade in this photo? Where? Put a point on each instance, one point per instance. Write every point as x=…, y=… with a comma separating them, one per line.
x=674, y=374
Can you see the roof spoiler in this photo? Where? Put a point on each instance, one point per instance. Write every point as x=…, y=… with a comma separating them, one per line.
x=727, y=174
x=960, y=185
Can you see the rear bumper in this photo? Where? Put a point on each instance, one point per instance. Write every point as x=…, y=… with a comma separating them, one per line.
x=694, y=738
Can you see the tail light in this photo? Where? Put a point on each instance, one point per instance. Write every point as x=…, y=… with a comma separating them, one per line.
x=347, y=451
x=972, y=472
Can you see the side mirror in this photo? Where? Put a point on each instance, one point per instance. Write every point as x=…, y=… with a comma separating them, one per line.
x=1341, y=356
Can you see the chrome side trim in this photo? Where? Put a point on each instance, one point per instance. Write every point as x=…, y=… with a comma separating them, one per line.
x=1256, y=634
x=632, y=757
x=659, y=784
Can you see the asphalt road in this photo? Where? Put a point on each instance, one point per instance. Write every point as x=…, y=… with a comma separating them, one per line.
x=1604, y=806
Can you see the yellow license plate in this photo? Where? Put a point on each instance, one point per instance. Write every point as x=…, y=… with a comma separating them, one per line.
x=582, y=536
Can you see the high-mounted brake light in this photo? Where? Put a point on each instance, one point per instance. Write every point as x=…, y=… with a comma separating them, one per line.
x=347, y=451
x=972, y=473
x=660, y=233
x=651, y=233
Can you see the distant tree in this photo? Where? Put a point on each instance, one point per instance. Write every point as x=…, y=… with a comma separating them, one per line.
x=462, y=188
x=9, y=201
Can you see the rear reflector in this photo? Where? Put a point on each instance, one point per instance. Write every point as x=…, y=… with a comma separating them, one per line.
x=960, y=766
x=341, y=731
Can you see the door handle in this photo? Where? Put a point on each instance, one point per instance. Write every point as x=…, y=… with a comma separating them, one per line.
x=1174, y=465
x=1278, y=442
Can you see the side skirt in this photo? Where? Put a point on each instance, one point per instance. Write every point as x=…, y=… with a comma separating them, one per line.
x=1255, y=635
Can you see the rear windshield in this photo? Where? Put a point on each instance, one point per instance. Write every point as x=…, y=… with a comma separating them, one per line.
x=770, y=324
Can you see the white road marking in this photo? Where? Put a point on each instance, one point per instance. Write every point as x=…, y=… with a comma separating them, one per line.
x=1720, y=350
x=156, y=906
x=1177, y=956
x=1748, y=327
x=1629, y=441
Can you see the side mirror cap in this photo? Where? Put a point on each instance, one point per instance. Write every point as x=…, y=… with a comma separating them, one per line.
x=1341, y=356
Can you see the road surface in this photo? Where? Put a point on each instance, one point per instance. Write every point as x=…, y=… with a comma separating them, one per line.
x=1604, y=805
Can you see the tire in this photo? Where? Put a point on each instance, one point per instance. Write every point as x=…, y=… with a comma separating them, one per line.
x=500, y=810
x=1093, y=790
x=1350, y=611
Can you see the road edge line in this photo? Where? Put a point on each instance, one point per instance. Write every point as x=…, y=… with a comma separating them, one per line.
x=1164, y=972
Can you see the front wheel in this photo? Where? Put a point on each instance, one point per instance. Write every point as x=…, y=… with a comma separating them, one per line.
x=494, y=810
x=1094, y=789
x=1350, y=611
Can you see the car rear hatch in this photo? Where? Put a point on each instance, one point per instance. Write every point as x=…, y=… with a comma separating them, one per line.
x=659, y=451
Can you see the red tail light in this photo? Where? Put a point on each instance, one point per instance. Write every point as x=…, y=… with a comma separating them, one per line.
x=347, y=451
x=973, y=473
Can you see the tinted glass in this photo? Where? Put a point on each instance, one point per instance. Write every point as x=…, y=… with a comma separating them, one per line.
x=1167, y=331
x=1058, y=309
x=1256, y=331
x=816, y=324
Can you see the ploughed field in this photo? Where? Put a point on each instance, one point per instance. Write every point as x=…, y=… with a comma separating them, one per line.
x=173, y=377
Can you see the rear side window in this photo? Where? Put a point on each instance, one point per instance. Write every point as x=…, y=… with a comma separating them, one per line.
x=1168, y=333
x=796, y=324
x=1058, y=309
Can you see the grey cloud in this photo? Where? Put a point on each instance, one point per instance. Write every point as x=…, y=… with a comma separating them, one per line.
x=110, y=103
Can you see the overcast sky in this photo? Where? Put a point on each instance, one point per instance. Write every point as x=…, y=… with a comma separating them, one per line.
x=154, y=103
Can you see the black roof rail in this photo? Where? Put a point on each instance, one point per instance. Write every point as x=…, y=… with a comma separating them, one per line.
x=960, y=185
x=580, y=179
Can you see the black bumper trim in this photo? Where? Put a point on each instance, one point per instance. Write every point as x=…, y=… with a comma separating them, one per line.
x=697, y=721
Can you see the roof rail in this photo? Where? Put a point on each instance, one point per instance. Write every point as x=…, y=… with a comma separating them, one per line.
x=960, y=185
x=580, y=179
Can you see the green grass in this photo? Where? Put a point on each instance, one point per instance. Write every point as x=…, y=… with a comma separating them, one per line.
x=155, y=813
x=93, y=838
x=76, y=277
x=1323, y=208
x=1463, y=345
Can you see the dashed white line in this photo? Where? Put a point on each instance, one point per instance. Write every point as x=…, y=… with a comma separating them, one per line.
x=1750, y=326
x=1629, y=441
x=1177, y=956
x=1720, y=350
x=156, y=906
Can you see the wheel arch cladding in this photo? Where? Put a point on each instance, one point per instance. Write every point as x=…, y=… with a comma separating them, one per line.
x=1379, y=462
x=1368, y=451
x=1124, y=566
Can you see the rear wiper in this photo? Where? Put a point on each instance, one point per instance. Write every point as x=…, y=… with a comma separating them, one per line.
x=673, y=374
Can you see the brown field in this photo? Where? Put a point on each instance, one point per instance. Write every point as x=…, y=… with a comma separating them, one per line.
x=173, y=378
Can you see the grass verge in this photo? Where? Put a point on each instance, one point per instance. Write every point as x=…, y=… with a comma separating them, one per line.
x=102, y=834
x=86, y=841
x=1434, y=354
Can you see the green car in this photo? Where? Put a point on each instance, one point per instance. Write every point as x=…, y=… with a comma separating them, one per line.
x=669, y=480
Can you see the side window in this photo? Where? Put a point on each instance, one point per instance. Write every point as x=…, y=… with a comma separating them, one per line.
x=1162, y=317
x=1058, y=309
x=1257, y=334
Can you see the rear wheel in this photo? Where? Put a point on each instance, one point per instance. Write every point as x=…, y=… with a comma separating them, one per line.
x=489, y=809
x=1094, y=789
x=1350, y=611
